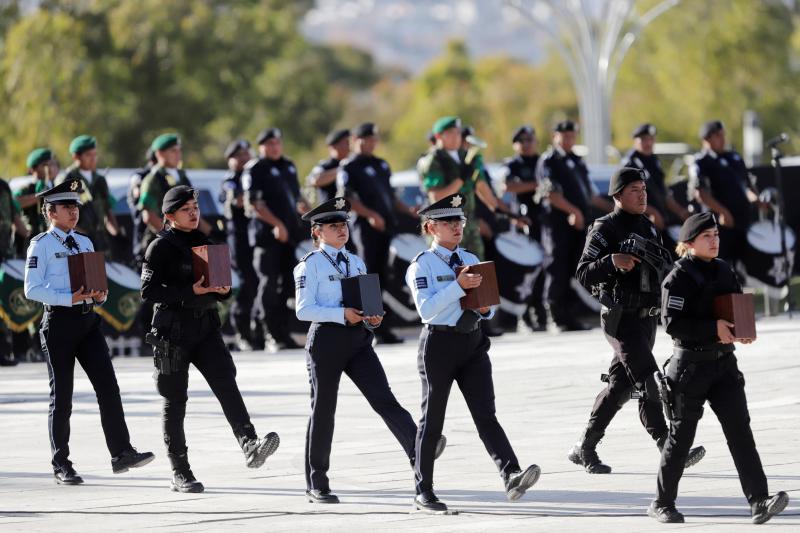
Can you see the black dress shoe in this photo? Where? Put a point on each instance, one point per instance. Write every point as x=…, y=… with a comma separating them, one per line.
x=767, y=507
x=8, y=360
x=666, y=514
x=184, y=481
x=519, y=482
x=256, y=451
x=321, y=496
x=66, y=475
x=130, y=458
x=427, y=501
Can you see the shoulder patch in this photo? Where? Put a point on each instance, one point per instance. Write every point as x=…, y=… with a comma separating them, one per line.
x=300, y=282
x=39, y=236
x=675, y=302
x=421, y=283
x=33, y=261
x=147, y=274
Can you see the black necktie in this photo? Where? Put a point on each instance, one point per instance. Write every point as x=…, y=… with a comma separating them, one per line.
x=71, y=243
x=340, y=258
x=455, y=261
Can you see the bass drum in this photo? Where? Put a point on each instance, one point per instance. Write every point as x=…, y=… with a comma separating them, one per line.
x=763, y=259
x=15, y=310
x=519, y=259
x=397, y=296
x=120, y=309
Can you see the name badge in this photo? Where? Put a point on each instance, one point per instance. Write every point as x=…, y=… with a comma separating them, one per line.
x=60, y=255
x=335, y=277
x=449, y=277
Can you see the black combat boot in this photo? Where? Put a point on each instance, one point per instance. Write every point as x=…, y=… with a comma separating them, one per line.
x=130, y=458
x=182, y=478
x=666, y=514
x=257, y=450
x=694, y=457
x=520, y=481
x=584, y=454
x=765, y=508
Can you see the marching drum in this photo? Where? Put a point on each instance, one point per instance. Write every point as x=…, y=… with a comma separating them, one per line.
x=15, y=310
x=518, y=261
x=763, y=259
x=402, y=250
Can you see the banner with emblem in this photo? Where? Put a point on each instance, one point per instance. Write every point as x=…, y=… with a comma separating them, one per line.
x=16, y=311
x=123, y=302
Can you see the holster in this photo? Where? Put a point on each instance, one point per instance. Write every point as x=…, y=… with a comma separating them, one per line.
x=467, y=321
x=164, y=337
x=611, y=317
x=673, y=404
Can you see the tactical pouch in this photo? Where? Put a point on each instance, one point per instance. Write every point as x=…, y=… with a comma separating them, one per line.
x=467, y=321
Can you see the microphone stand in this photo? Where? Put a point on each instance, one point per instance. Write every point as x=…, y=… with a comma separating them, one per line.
x=776, y=165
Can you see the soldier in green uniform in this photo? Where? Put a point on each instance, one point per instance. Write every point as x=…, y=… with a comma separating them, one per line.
x=447, y=169
x=9, y=222
x=97, y=219
x=40, y=167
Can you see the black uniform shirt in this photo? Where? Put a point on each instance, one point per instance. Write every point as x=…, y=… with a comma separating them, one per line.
x=368, y=178
x=274, y=181
x=237, y=220
x=725, y=176
x=522, y=168
x=656, y=188
x=167, y=271
x=597, y=271
x=326, y=192
x=567, y=174
x=687, y=301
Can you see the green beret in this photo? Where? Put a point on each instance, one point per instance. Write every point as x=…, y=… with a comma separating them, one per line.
x=165, y=141
x=82, y=143
x=38, y=156
x=445, y=123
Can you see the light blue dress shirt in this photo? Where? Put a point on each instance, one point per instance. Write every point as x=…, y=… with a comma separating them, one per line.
x=433, y=285
x=46, y=269
x=318, y=287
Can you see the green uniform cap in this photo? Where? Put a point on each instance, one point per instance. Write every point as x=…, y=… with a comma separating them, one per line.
x=445, y=123
x=39, y=156
x=165, y=141
x=82, y=143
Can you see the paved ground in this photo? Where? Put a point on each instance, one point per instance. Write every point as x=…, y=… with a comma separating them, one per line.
x=545, y=388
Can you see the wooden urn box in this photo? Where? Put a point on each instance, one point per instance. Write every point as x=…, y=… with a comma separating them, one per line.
x=739, y=310
x=364, y=293
x=486, y=293
x=87, y=270
x=213, y=262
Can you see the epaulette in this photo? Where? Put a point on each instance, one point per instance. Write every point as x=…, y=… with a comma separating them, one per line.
x=82, y=234
x=250, y=164
x=309, y=254
x=42, y=234
x=417, y=256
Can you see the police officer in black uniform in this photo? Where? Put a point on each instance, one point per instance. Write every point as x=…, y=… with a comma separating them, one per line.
x=186, y=330
x=568, y=196
x=134, y=192
x=323, y=175
x=719, y=180
x=272, y=193
x=70, y=332
x=627, y=283
x=237, y=155
x=520, y=172
x=661, y=206
x=364, y=179
x=703, y=368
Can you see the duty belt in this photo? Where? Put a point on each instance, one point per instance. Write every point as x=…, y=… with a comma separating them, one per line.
x=452, y=329
x=83, y=308
x=702, y=355
x=337, y=325
x=644, y=312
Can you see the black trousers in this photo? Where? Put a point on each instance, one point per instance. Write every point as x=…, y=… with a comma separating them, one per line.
x=242, y=311
x=208, y=353
x=330, y=351
x=274, y=263
x=68, y=335
x=722, y=384
x=632, y=366
x=563, y=246
x=445, y=357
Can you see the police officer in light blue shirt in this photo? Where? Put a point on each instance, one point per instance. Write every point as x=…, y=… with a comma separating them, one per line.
x=71, y=331
x=339, y=341
x=452, y=348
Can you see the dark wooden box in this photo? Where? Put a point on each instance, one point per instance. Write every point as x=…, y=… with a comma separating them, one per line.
x=364, y=293
x=738, y=309
x=486, y=293
x=213, y=262
x=87, y=270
